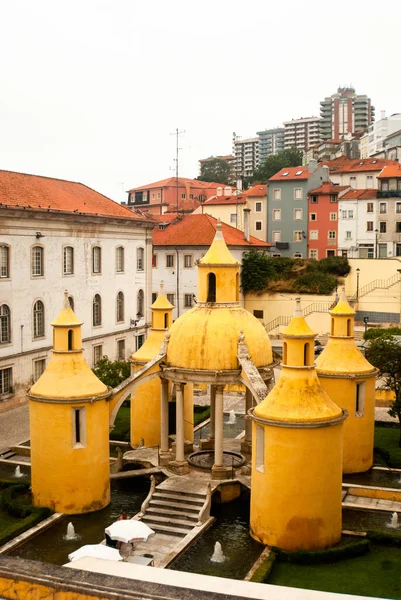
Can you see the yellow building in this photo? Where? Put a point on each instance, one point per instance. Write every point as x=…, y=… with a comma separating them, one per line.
x=69, y=426
x=297, y=453
x=145, y=404
x=349, y=379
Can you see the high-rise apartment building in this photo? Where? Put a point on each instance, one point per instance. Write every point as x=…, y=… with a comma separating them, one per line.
x=301, y=133
x=374, y=140
x=345, y=112
x=271, y=141
x=246, y=155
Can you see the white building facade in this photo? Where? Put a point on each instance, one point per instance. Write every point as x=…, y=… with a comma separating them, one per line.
x=373, y=142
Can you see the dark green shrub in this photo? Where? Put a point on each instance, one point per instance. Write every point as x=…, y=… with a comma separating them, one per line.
x=340, y=552
x=112, y=373
x=385, y=539
x=315, y=282
x=256, y=271
x=335, y=265
x=262, y=573
x=201, y=413
x=11, y=531
x=13, y=503
x=376, y=332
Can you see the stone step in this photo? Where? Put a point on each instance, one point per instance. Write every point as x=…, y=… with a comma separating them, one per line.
x=176, y=498
x=168, y=521
x=176, y=505
x=180, y=493
x=177, y=531
x=166, y=512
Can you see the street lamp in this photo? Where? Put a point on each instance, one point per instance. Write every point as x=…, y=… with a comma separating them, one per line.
x=357, y=284
x=376, y=236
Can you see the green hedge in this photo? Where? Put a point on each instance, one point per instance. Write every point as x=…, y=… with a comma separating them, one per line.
x=201, y=413
x=14, y=529
x=327, y=555
x=385, y=539
x=376, y=332
x=262, y=573
x=15, y=505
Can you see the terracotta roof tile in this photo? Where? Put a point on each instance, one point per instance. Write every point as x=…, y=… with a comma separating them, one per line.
x=20, y=190
x=256, y=190
x=182, y=181
x=333, y=189
x=359, y=194
x=290, y=173
x=390, y=171
x=224, y=200
x=199, y=230
x=347, y=165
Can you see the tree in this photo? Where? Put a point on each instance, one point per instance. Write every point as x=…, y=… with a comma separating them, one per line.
x=256, y=271
x=217, y=170
x=385, y=354
x=112, y=373
x=275, y=162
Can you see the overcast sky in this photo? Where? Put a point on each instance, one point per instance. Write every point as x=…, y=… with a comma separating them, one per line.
x=91, y=90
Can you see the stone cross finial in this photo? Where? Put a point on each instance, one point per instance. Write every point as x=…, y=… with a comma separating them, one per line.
x=219, y=232
x=161, y=287
x=343, y=294
x=298, y=309
x=66, y=303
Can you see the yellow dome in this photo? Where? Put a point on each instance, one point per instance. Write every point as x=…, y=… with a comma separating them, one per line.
x=342, y=356
x=218, y=253
x=206, y=337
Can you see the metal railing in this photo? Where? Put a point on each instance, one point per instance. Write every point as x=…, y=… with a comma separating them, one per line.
x=376, y=284
x=308, y=310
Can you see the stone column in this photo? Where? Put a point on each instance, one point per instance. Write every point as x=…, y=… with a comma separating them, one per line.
x=246, y=444
x=208, y=443
x=179, y=465
x=218, y=470
x=164, y=453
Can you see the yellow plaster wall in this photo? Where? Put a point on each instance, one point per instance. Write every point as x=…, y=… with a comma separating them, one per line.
x=67, y=479
x=14, y=587
x=145, y=413
x=296, y=502
x=227, y=283
x=223, y=213
x=358, y=431
x=382, y=494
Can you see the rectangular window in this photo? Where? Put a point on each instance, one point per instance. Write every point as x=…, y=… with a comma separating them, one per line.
x=313, y=253
x=333, y=198
x=333, y=216
x=96, y=259
x=297, y=236
x=260, y=449
x=154, y=297
x=344, y=253
x=398, y=249
x=37, y=262
x=183, y=196
x=369, y=207
x=120, y=259
x=191, y=196
x=298, y=194
x=298, y=214
x=350, y=214
x=332, y=235
x=398, y=207
x=314, y=234
x=313, y=217
x=258, y=314
x=140, y=340
x=398, y=227
x=171, y=299
x=6, y=380
x=233, y=218
x=38, y=368
x=120, y=349
x=383, y=208
x=258, y=225
x=277, y=194
x=258, y=207
x=330, y=253
x=369, y=225
x=360, y=399
x=153, y=196
x=79, y=427
x=369, y=181
x=343, y=214
x=97, y=353
x=170, y=261
x=352, y=182
x=382, y=250
x=383, y=227
x=188, y=261
x=313, y=199
x=188, y=299
x=276, y=236
x=154, y=261
x=348, y=235
x=159, y=195
x=277, y=214
x=4, y=258
x=68, y=260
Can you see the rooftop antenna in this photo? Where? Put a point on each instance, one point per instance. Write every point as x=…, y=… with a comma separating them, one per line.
x=177, y=149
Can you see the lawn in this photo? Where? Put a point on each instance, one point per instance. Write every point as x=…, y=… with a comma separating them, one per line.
x=386, y=441
x=376, y=573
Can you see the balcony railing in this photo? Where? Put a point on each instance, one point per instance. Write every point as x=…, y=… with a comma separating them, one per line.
x=389, y=194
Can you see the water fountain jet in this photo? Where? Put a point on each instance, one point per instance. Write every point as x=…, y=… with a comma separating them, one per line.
x=218, y=555
x=394, y=521
x=17, y=472
x=232, y=418
x=71, y=535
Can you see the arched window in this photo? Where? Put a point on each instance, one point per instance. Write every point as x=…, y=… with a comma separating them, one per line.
x=71, y=301
x=68, y=260
x=120, y=307
x=120, y=259
x=37, y=263
x=348, y=327
x=96, y=259
x=165, y=320
x=5, y=326
x=97, y=310
x=38, y=319
x=211, y=288
x=140, y=253
x=4, y=262
x=306, y=354
x=139, y=303
x=70, y=339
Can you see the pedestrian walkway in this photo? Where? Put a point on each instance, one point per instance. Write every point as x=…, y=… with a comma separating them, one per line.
x=14, y=427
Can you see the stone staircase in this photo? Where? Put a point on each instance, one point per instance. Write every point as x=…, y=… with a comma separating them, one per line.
x=173, y=512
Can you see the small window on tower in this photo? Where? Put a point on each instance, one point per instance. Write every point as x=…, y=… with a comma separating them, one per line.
x=360, y=399
x=260, y=449
x=79, y=427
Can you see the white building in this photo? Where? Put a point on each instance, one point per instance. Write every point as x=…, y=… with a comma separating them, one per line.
x=302, y=133
x=178, y=245
x=57, y=235
x=357, y=173
x=358, y=223
x=246, y=156
x=373, y=142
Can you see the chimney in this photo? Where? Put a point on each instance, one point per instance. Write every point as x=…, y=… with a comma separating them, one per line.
x=312, y=165
x=219, y=191
x=247, y=224
x=326, y=174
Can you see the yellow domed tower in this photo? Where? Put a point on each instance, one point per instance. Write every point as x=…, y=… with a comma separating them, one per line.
x=297, y=453
x=69, y=426
x=349, y=379
x=145, y=405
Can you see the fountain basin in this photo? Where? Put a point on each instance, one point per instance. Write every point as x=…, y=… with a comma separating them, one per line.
x=204, y=459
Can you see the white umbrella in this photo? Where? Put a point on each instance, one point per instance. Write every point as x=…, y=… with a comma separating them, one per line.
x=129, y=530
x=95, y=551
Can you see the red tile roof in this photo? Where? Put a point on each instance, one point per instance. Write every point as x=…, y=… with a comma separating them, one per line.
x=347, y=165
x=182, y=181
x=199, y=230
x=35, y=192
x=390, y=171
x=360, y=194
x=333, y=189
x=224, y=200
x=291, y=173
x=258, y=190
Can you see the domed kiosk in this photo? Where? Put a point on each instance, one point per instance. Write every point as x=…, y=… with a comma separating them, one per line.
x=217, y=343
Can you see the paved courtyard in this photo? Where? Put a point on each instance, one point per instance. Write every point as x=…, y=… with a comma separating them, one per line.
x=14, y=427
